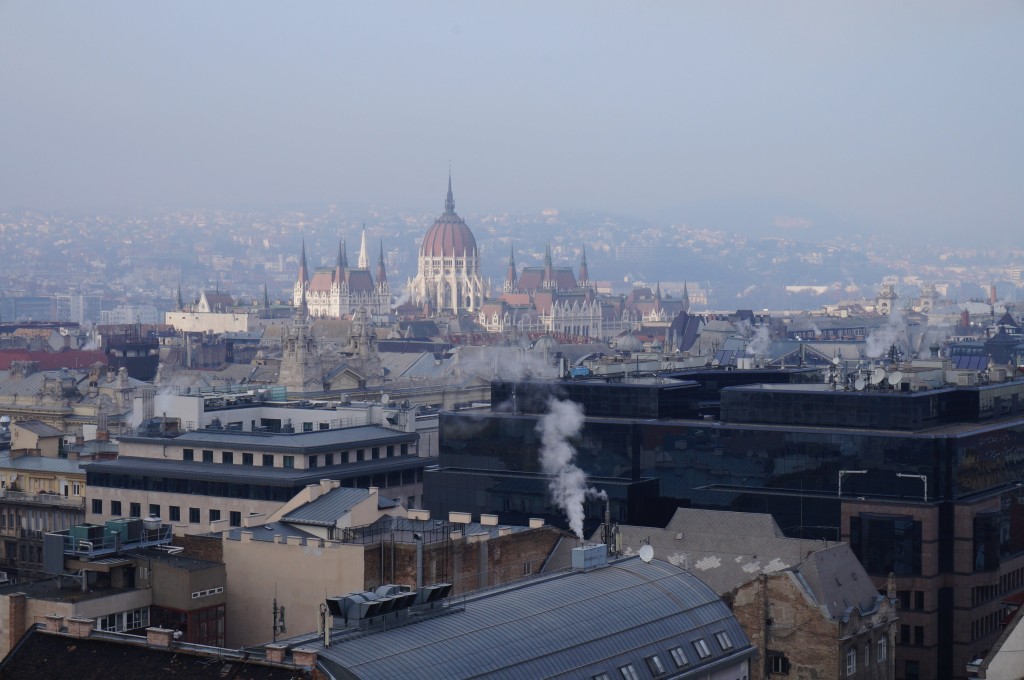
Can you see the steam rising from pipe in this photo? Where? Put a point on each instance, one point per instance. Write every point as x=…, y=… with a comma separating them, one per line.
x=568, y=484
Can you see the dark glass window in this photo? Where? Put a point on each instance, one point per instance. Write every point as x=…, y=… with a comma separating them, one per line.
x=312, y=461
x=154, y=510
x=268, y=460
x=188, y=454
x=887, y=543
x=115, y=508
x=97, y=506
x=246, y=459
x=175, y=513
x=235, y=518
x=193, y=516
x=207, y=456
x=227, y=457
x=214, y=515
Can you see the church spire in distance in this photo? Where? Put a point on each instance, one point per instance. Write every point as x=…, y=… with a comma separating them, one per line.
x=449, y=202
x=364, y=259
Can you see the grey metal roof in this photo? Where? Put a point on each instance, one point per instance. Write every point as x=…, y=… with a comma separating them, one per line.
x=245, y=474
x=325, y=510
x=298, y=442
x=42, y=464
x=39, y=428
x=267, y=532
x=574, y=625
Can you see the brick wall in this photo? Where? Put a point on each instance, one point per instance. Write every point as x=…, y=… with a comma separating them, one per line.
x=201, y=547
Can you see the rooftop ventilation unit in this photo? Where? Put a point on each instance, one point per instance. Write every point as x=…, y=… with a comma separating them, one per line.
x=589, y=557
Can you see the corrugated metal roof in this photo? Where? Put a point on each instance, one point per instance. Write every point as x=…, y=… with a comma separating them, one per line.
x=267, y=532
x=39, y=428
x=41, y=464
x=572, y=625
x=325, y=510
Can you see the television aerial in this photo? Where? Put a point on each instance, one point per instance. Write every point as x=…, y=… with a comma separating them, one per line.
x=646, y=553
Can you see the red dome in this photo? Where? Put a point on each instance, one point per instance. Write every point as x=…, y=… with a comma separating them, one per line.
x=449, y=237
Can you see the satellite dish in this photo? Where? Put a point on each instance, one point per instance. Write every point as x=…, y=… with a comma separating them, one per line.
x=646, y=553
x=384, y=398
x=858, y=384
x=836, y=361
x=895, y=378
x=877, y=376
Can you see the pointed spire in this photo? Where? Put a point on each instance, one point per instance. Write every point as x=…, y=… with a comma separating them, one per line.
x=584, y=271
x=382, y=275
x=303, y=271
x=657, y=297
x=342, y=255
x=449, y=203
x=266, y=297
x=364, y=260
x=686, y=298
x=510, y=275
x=181, y=303
x=549, y=269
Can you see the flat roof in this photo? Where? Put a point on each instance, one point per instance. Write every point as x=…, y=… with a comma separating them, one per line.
x=298, y=442
x=248, y=474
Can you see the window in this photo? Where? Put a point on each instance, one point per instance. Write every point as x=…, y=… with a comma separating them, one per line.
x=867, y=655
x=207, y=456
x=312, y=461
x=777, y=663
x=246, y=459
x=679, y=656
x=344, y=457
x=76, y=489
x=851, y=661
x=115, y=508
x=154, y=510
x=289, y=461
x=883, y=645
x=405, y=449
x=188, y=454
x=375, y=452
x=600, y=676
x=723, y=640
x=307, y=427
x=97, y=506
x=410, y=502
x=359, y=455
x=912, y=670
x=235, y=518
x=227, y=457
x=135, y=510
x=885, y=543
x=703, y=651
x=919, y=635
x=175, y=513
x=655, y=665
x=391, y=450
x=628, y=672
x=919, y=599
x=268, y=460
x=214, y=515
x=328, y=459
x=904, y=634
x=193, y=516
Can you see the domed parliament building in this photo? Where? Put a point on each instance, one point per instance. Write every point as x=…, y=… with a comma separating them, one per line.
x=448, y=274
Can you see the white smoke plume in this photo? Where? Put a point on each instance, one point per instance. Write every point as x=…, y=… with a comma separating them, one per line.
x=568, y=484
x=760, y=342
x=882, y=338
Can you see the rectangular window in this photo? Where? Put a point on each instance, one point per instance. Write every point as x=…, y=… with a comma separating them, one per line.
x=227, y=457
x=655, y=665
x=307, y=427
x=883, y=648
x=918, y=599
x=268, y=460
x=246, y=459
x=154, y=510
x=312, y=461
x=97, y=506
x=778, y=663
x=193, y=516
x=135, y=510
x=115, y=508
x=214, y=515
x=679, y=656
x=359, y=455
x=904, y=634
x=207, y=456
x=628, y=672
x=405, y=449
x=76, y=489
x=375, y=452
x=851, y=661
x=175, y=512
x=344, y=457
x=600, y=676
x=723, y=640
x=867, y=655
x=391, y=450
x=289, y=461
x=188, y=454
x=919, y=635
x=328, y=459
x=235, y=518
x=703, y=651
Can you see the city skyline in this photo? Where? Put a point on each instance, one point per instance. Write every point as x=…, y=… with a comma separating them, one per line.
x=792, y=120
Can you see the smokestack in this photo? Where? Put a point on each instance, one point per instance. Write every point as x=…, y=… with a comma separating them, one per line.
x=992, y=297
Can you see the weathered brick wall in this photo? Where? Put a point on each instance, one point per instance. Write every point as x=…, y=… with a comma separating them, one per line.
x=201, y=547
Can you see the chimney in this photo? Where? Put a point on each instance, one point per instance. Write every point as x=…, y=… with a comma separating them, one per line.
x=159, y=637
x=303, y=656
x=80, y=627
x=275, y=653
x=54, y=623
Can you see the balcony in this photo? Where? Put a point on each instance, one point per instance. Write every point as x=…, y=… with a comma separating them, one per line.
x=42, y=498
x=89, y=541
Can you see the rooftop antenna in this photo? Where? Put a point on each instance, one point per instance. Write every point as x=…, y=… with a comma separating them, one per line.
x=646, y=553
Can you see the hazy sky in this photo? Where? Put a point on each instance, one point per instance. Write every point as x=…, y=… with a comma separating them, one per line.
x=894, y=116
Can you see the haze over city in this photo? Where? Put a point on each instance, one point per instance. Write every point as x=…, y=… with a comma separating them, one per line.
x=791, y=119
